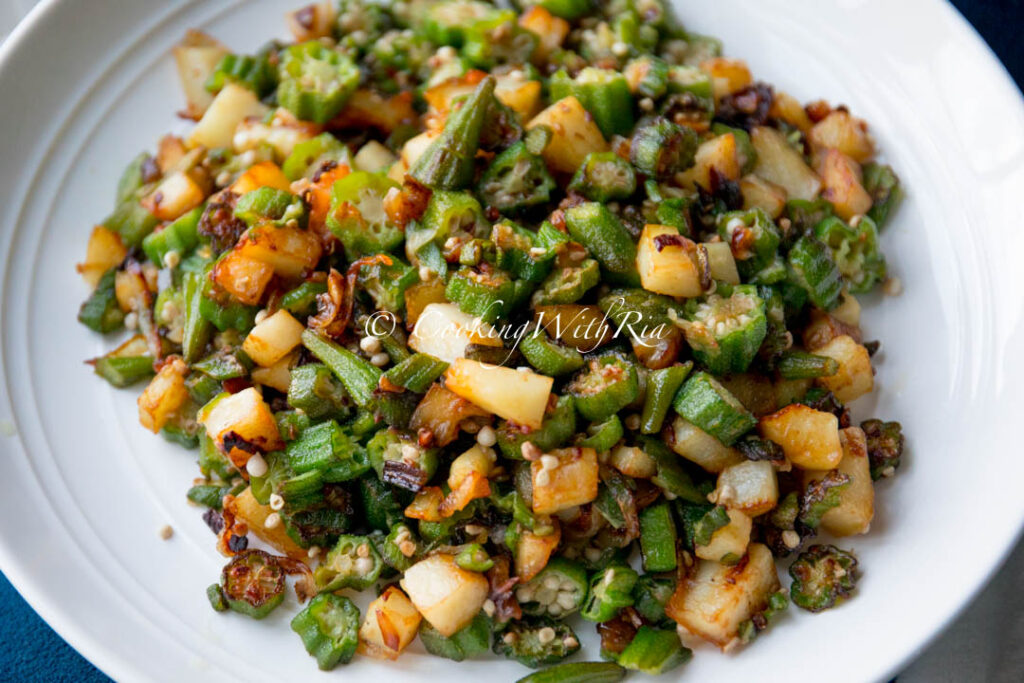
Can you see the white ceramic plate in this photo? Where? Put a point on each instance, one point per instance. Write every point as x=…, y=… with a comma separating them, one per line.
x=83, y=489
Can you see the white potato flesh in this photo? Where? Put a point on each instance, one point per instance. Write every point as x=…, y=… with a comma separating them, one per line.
x=779, y=163
x=697, y=446
x=665, y=263
x=751, y=487
x=445, y=594
x=273, y=338
x=715, y=599
x=730, y=541
x=809, y=438
x=232, y=105
x=509, y=393
x=855, y=377
x=856, y=506
x=444, y=331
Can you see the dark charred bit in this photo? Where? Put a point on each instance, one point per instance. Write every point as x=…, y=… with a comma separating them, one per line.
x=150, y=170
x=617, y=633
x=214, y=520
x=219, y=224
x=872, y=347
x=236, y=384
x=238, y=543
x=325, y=167
x=664, y=241
x=404, y=475
x=305, y=17
x=746, y=108
x=502, y=590
x=232, y=441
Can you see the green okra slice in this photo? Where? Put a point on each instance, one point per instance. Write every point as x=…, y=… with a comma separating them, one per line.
x=660, y=148
x=352, y=563
x=726, y=332
x=557, y=591
x=604, y=177
x=712, y=408
x=329, y=629
x=600, y=231
x=315, y=81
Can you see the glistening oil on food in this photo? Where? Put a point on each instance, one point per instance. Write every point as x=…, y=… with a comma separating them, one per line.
x=517, y=318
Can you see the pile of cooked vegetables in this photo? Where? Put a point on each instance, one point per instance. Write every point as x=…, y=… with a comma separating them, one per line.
x=508, y=315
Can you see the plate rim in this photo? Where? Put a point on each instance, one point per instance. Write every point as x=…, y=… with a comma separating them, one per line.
x=107, y=658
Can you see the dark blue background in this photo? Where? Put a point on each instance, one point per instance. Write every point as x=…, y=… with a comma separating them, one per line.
x=30, y=651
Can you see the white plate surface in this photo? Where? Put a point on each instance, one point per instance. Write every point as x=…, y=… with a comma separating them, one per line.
x=83, y=489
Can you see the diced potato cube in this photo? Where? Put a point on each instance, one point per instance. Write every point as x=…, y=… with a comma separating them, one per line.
x=444, y=331
x=855, y=377
x=697, y=446
x=664, y=259
x=573, y=482
x=840, y=176
x=715, y=599
x=312, y=22
x=509, y=393
x=130, y=289
x=273, y=338
x=551, y=31
x=282, y=134
x=232, y=105
x=242, y=277
x=261, y=174
x=779, y=163
x=856, y=506
x=633, y=461
x=728, y=543
x=165, y=394
x=809, y=437
x=824, y=327
x=727, y=75
x=197, y=57
x=718, y=153
x=848, y=310
x=721, y=262
x=104, y=251
x=250, y=511
x=176, y=195
x=758, y=193
x=447, y=595
x=475, y=460
x=533, y=552
x=390, y=624
x=845, y=133
x=277, y=376
x=373, y=157
x=442, y=413
x=789, y=109
x=414, y=147
x=290, y=251
x=369, y=109
x=750, y=487
x=575, y=135
x=521, y=96
x=241, y=424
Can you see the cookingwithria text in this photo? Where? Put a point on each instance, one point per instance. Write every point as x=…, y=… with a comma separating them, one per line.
x=588, y=327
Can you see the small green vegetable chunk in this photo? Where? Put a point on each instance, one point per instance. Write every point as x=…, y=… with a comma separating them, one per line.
x=329, y=628
x=316, y=81
x=822, y=576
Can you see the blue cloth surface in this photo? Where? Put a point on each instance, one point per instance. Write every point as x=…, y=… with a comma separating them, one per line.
x=31, y=651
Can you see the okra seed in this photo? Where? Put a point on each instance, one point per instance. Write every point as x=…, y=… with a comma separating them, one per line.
x=509, y=638
x=530, y=451
x=525, y=594
x=633, y=422
x=546, y=635
x=364, y=565
x=554, y=609
x=410, y=453
x=172, y=259
x=166, y=532
x=551, y=581
x=790, y=538
x=566, y=601
x=407, y=548
x=363, y=550
x=489, y=607
x=256, y=465
x=369, y=344
x=131, y=321
x=592, y=554
x=474, y=529
x=647, y=104
x=426, y=273
x=570, y=642
x=273, y=520
x=620, y=49
x=893, y=286
x=380, y=359
x=276, y=501
x=543, y=478
x=888, y=471
x=549, y=462
x=313, y=552
x=486, y=437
